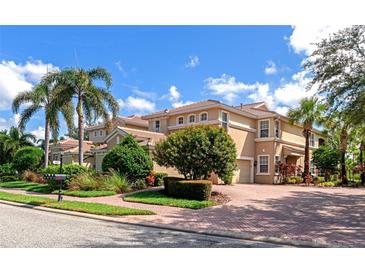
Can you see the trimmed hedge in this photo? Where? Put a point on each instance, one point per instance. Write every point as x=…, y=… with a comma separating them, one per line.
x=188, y=189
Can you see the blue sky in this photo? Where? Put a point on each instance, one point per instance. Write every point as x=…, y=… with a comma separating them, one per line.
x=157, y=67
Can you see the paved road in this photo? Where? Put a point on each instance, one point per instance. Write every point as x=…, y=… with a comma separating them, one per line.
x=25, y=227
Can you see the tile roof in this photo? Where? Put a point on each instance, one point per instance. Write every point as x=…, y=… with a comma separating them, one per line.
x=153, y=137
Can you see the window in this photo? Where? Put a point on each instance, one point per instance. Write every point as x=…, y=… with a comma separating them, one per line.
x=192, y=119
x=311, y=140
x=264, y=164
x=180, y=120
x=204, y=116
x=277, y=163
x=224, y=120
x=277, y=129
x=95, y=133
x=101, y=133
x=157, y=126
x=264, y=128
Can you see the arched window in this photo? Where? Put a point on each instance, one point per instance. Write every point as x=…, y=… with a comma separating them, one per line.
x=204, y=116
x=192, y=118
x=180, y=120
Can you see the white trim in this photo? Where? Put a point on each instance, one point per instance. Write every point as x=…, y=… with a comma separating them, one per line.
x=245, y=158
x=212, y=122
x=200, y=115
x=228, y=118
x=188, y=121
x=242, y=127
x=259, y=128
x=265, y=139
x=154, y=125
x=275, y=173
x=177, y=120
x=118, y=139
x=258, y=164
x=279, y=129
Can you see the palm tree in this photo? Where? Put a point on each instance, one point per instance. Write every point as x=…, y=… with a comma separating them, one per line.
x=38, y=98
x=309, y=113
x=13, y=140
x=91, y=101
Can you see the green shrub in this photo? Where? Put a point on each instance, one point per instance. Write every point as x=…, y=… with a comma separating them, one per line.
x=7, y=169
x=159, y=177
x=197, y=151
x=291, y=180
x=330, y=183
x=117, y=183
x=167, y=180
x=8, y=178
x=318, y=179
x=138, y=184
x=193, y=189
x=71, y=170
x=28, y=158
x=87, y=181
x=129, y=159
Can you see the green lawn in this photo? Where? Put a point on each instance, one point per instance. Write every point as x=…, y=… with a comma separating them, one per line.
x=159, y=198
x=86, y=194
x=28, y=186
x=42, y=188
x=93, y=208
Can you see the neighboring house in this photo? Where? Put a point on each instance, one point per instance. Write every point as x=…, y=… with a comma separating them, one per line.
x=70, y=150
x=262, y=137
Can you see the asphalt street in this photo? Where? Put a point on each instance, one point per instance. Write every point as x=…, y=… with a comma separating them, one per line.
x=26, y=227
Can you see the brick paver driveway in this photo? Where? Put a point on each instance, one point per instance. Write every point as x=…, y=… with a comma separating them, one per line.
x=327, y=215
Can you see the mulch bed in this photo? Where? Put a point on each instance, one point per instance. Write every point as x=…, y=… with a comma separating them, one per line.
x=219, y=198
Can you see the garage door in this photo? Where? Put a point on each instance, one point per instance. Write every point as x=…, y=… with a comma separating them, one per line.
x=243, y=174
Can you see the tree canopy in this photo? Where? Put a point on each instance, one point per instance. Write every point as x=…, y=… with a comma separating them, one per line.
x=197, y=151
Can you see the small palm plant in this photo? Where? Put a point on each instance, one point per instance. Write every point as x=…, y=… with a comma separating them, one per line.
x=14, y=139
x=310, y=112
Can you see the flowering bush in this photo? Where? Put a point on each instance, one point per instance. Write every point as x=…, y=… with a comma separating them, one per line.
x=287, y=170
x=150, y=179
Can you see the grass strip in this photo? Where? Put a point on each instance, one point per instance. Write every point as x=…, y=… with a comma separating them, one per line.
x=159, y=198
x=43, y=188
x=85, y=207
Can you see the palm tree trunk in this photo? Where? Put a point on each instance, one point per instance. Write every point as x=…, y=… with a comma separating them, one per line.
x=343, y=148
x=362, y=148
x=46, y=143
x=306, y=153
x=81, y=130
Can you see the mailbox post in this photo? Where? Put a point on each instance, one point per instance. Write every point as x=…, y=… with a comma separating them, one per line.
x=60, y=189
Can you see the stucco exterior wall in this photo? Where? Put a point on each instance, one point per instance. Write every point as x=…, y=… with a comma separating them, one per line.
x=244, y=141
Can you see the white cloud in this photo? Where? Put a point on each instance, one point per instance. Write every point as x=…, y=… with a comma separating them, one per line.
x=181, y=103
x=262, y=94
x=139, y=105
x=16, y=78
x=174, y=94
x=303, y=37
x=228, y=88
x=271, y=68
x=39, y=133
x=121, y=68
x=7, y=123
x=193, y=62
x=292, y=92
x=283, y=110
x=174, y=97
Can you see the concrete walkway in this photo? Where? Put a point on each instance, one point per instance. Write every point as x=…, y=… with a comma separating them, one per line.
x=326, y=215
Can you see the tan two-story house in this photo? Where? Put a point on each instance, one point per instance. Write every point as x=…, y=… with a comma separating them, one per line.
x=262, y=137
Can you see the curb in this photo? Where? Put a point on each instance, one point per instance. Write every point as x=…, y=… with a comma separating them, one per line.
x=218, y=233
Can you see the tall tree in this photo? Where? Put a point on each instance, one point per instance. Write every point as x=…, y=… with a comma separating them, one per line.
x=13, y=140
x=310, y=112
x=338, y=69
x=38, y=98
x=92, y=101
x=341, y=133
